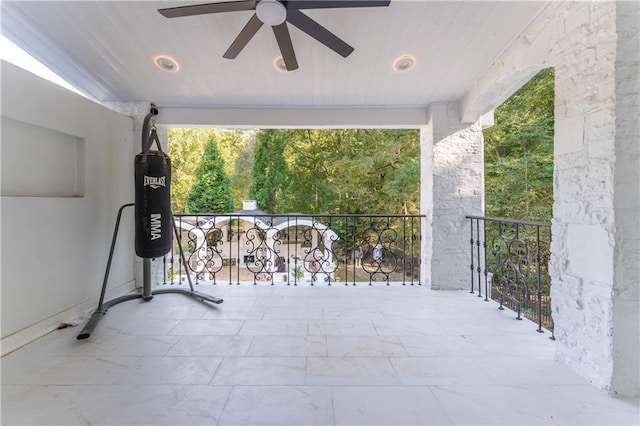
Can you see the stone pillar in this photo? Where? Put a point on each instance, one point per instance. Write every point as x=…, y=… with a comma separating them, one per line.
x=452, y=187
x=595, y=256
x=626, y=265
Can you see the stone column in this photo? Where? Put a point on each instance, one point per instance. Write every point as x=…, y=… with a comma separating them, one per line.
x=595, y=255
x=626, y=266
x=452, y=187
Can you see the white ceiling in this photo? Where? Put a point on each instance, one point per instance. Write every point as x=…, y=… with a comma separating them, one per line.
x=106, y=49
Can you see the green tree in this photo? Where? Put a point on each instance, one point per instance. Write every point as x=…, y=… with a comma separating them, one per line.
x=211, y=192
x=236, y=147
x=392, y=172
x=353, y=171
x=308, y=154
x=519, y=153
x=269, y=173
x=241, y=177
x=185, y=149
x=308, y=170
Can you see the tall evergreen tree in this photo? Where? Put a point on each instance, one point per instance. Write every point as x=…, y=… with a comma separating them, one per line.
x=185, y=149
x=269, y=173
x=211, y=192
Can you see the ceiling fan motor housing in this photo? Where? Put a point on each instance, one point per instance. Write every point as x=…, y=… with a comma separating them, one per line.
x=271, y=12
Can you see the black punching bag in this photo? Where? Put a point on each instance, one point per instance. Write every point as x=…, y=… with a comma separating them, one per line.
x=153, y=218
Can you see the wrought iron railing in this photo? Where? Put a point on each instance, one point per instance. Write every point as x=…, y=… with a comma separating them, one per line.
x=509, y=264
x=296, y=249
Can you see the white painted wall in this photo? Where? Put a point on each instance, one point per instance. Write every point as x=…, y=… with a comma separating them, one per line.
x=54, y=248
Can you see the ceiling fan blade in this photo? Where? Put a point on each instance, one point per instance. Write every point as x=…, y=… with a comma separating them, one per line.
x=247, y=33
x=202, y=9
x=320, y=33
x=335, y=4
x=286, y=47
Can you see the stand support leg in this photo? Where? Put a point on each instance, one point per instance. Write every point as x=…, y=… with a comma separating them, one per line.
x=146, y=280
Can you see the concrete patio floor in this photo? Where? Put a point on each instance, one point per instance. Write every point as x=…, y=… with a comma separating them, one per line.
x=397, y=355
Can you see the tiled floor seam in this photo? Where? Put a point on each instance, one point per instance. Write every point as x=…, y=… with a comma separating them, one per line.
x=224, y=406
x=217, y=369
x=437, y=400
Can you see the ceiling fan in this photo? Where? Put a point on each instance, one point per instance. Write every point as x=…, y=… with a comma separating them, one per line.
x=277, y=13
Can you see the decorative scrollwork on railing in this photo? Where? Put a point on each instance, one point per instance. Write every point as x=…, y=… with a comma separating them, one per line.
x=296, y=249
x=509, y=263
x=514, y=256
x=197, y=251
x=319, y=259
x=213, y=257
x=379, y=260
x=258, y=256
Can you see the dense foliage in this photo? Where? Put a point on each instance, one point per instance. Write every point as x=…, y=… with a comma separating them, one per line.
x=308, y=171
x=519, y=153
x=269, y=171
x=211, y=191
x=186, y=148
x=342, y=170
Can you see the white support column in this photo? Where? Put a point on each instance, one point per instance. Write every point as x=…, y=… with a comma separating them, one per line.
x=426, y=202
x=452, y=187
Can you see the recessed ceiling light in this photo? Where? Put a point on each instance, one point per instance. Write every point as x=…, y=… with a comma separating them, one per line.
x=279, y=64
x=404, y=63
x=166, y=63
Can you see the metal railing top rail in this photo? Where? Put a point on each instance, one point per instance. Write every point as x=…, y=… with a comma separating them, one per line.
x=300, y=215
x=507, y=220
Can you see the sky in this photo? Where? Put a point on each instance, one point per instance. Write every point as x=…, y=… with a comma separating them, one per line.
x=15, y=55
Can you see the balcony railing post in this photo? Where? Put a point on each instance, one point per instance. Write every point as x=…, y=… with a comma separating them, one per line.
x=486, y=272
x=478, y=269
x=471, y=240
x=538, y=283
x=404, y=250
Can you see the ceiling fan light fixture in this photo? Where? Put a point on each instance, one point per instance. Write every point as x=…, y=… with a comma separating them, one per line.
x=404, y=63
x=166, y=63
x=279, y=64
x=271, y=12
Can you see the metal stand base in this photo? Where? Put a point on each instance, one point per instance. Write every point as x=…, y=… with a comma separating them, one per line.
x=146, y=294
x=102, y=310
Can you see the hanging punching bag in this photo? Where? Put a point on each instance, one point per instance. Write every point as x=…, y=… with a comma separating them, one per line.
x=153, y=217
